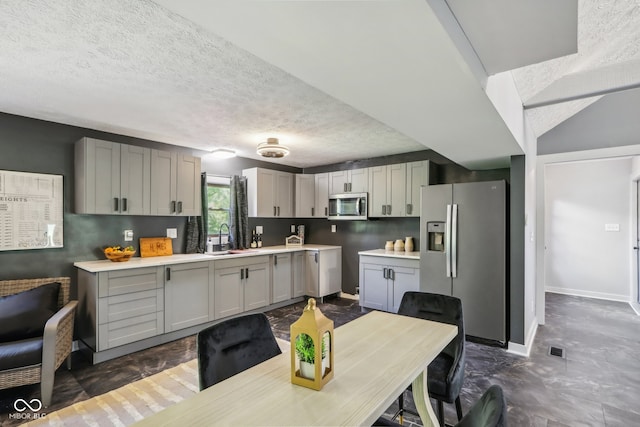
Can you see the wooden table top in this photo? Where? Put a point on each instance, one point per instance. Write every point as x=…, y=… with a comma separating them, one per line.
x=376, y=357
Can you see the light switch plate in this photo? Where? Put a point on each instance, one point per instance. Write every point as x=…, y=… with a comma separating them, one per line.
x=172, y=233
x=333, y=228
x=293, y=228
x=128, y=235
x=612, y=227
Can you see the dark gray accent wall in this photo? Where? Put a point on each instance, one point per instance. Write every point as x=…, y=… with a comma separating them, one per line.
x=515, y=290
x=611, y=121
x=37, y=146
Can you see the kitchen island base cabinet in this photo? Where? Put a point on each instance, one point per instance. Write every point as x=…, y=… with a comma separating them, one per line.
x=187, y=290
x=240, y=285
x=323, y=272
x=384, y=280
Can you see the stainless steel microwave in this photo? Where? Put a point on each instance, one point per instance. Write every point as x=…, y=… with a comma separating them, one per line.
x=348, y=206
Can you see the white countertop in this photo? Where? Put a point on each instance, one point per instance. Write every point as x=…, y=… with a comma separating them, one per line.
x=138, y=262
x=391, y=254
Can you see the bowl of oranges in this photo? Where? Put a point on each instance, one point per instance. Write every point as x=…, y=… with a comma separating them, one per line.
x=118, y=253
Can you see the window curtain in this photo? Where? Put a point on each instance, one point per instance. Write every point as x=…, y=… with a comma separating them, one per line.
x=197, y=226
x=239, y=213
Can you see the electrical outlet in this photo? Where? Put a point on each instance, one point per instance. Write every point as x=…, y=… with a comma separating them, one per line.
x=258, y=229
x=333, y=228
x=172, y=233
x=128, y=235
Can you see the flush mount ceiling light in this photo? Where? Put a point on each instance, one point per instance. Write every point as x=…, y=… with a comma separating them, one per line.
x=272, y=148
x=221, y=153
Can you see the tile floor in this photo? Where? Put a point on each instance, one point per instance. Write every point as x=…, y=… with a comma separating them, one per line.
x=596, y=384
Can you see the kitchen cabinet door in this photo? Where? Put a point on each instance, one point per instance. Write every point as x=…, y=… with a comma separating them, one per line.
x=256, y=286
x=299, y=277
x=373, y=286
x=387, y=188
x=175, y=184
x=349, y=181
x=269, y=193
x=282, y=278
x=111, y=178
x=322, y=195
x=187, y=293
x=305, y=195
x=228, y=291
x=418, y=174
x=311, y=268
x=404, y=279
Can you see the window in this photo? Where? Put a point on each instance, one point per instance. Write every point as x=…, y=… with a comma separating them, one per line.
x=219, y=201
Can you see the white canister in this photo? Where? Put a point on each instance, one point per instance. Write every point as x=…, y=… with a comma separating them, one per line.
x=399, y=246
x=408, y=244
x=389, y=245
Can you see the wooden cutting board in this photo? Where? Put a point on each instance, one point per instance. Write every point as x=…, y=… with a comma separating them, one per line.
x=155, y=246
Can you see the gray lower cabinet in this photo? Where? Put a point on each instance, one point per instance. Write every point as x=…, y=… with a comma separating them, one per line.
x=323, y=272
x=120, y=307
x=188, y=295
x=240, y=284
x=384, y=280
x=299, y=260
x=282, y=278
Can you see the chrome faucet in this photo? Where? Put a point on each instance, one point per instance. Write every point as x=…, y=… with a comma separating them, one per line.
x=223, y=247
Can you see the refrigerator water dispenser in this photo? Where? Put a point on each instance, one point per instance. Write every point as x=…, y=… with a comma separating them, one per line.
x=435, y=236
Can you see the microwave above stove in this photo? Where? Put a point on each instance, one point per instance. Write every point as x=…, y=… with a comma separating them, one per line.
x=348, y=206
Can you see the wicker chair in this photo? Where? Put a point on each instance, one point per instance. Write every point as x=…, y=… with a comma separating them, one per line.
x=57, y=339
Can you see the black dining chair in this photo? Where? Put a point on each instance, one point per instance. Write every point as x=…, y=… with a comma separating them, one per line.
x=489, y=411
x=445, y=373
x=231, y=346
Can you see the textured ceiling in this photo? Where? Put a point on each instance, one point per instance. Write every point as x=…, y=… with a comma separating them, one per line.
x=607, y=59
x=134, y=68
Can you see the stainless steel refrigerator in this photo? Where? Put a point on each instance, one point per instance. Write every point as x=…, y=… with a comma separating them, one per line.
x=463, y=251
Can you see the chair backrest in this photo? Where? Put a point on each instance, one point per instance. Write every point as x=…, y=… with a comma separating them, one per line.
x=489, y=411
x=439, y=308
x=11, y=287
x=232, y=346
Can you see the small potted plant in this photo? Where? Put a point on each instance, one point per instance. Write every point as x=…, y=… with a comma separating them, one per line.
x=305, y=350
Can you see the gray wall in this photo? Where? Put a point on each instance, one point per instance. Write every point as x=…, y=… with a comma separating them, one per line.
x=37, y=146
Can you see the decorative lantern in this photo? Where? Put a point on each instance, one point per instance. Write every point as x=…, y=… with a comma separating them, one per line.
x=312, y=348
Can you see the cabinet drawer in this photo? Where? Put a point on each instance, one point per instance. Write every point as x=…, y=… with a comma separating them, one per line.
x=114, y=334
x=119, y=307
x=131, y=280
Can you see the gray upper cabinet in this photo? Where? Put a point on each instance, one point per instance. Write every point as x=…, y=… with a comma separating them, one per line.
x=418, y=174
x=305, y=196
x=322, y=195
x=387, y=188
x=175, y=184
x=349, y=181
x=269, y=193
x=112, y=178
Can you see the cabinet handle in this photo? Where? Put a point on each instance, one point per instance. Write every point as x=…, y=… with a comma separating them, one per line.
x=409, y=208
x=344, y=187
x=179, y=207
x=115, y=202
x=274, y=211
x=124, y=204
x=173, y=206
x=392, y=274
x=246, y=276
x=312, y=214
x=388, y=209
x=242, y=274
x=384, y=209
x=168, y=274
x=325, y=211
x=278, y=210
x=275, y=260
x=385, y=272
x=315, y=256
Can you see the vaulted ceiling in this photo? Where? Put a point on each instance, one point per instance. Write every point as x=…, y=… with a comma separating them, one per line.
x=334, y=80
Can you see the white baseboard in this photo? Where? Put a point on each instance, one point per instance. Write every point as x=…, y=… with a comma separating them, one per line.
x=525, y=350
x=589, y=294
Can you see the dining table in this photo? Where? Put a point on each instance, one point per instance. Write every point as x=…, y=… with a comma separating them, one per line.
x=376, y=357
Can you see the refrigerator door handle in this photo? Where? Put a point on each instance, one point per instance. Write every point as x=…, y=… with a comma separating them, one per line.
x=454, y=241
x=447, y=242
